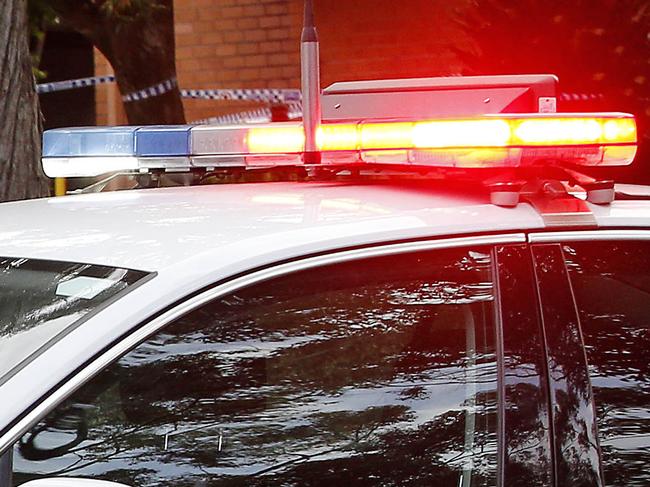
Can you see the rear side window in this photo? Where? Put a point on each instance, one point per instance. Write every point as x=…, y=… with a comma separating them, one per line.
x=611, y=282
x=40, y=301
x=376, y=372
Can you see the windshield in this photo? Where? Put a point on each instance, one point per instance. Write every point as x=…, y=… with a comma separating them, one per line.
x=40, y=301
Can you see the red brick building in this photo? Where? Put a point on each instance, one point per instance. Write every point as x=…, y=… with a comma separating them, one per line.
x=256, y=44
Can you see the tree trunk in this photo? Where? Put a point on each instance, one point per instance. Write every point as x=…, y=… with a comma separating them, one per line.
x=140, y=46
x=20, y=120
x=152, y=62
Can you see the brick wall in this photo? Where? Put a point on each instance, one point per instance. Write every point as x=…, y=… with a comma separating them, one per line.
x=226, y=44
x=256, y=43
x=108, y=106
x=235, y=44
x=383, y=39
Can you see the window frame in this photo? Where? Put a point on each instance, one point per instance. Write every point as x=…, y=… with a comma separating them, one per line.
x=589, y=235
x=523, y=373
x=538, y=240
x=145, y=329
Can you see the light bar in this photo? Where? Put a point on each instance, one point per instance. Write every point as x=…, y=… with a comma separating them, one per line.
x=488, y=141
x=537, y=130
x=163, y=141
x=89, y=141
x=88, y=151
x=272, y=144
x=593, y=139
x=163, y=147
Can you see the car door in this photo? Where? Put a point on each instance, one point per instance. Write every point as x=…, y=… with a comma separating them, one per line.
x=608, y=276
x=403, y=366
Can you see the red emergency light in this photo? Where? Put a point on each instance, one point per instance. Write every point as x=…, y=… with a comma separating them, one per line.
x=503, y=140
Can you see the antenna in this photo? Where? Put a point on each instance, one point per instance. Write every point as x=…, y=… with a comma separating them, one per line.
x=310, y=77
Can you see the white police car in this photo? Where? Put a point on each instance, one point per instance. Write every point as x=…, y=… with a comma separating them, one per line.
x=373, y=328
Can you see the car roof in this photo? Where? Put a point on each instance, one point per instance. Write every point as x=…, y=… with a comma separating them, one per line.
x=156, y=228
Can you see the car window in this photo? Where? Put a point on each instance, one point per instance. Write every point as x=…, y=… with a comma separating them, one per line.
x=375, y=372
x=42, y=300
x=611, y=282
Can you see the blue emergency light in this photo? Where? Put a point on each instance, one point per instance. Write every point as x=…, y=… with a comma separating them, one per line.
x=89, y=151
x=93, y=151
x=89, y=142
x=163, y=141
x=166, y=147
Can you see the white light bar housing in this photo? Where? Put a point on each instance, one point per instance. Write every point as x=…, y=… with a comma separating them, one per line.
x=489, y=141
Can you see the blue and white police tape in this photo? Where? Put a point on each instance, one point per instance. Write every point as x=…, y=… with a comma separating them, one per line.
x=151, y=91
x=73, y=84
x=259, y=115
x=271, y=95
x=581, y=96
x=255, y=94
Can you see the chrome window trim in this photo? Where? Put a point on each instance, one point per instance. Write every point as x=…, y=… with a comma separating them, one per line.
x=587, y=235
x=149, y=328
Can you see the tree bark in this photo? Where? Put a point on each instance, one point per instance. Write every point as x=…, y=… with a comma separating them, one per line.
x=140, y=46
x=21, y=175
x=153, y=61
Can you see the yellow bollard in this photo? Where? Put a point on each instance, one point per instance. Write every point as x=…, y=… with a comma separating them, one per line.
x=60, y=186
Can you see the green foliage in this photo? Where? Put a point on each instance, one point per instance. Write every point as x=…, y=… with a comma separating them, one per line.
x=47, y=14
x=41, y=15
x=127, y=9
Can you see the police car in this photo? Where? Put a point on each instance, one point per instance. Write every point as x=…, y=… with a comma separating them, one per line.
x=436, y=294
